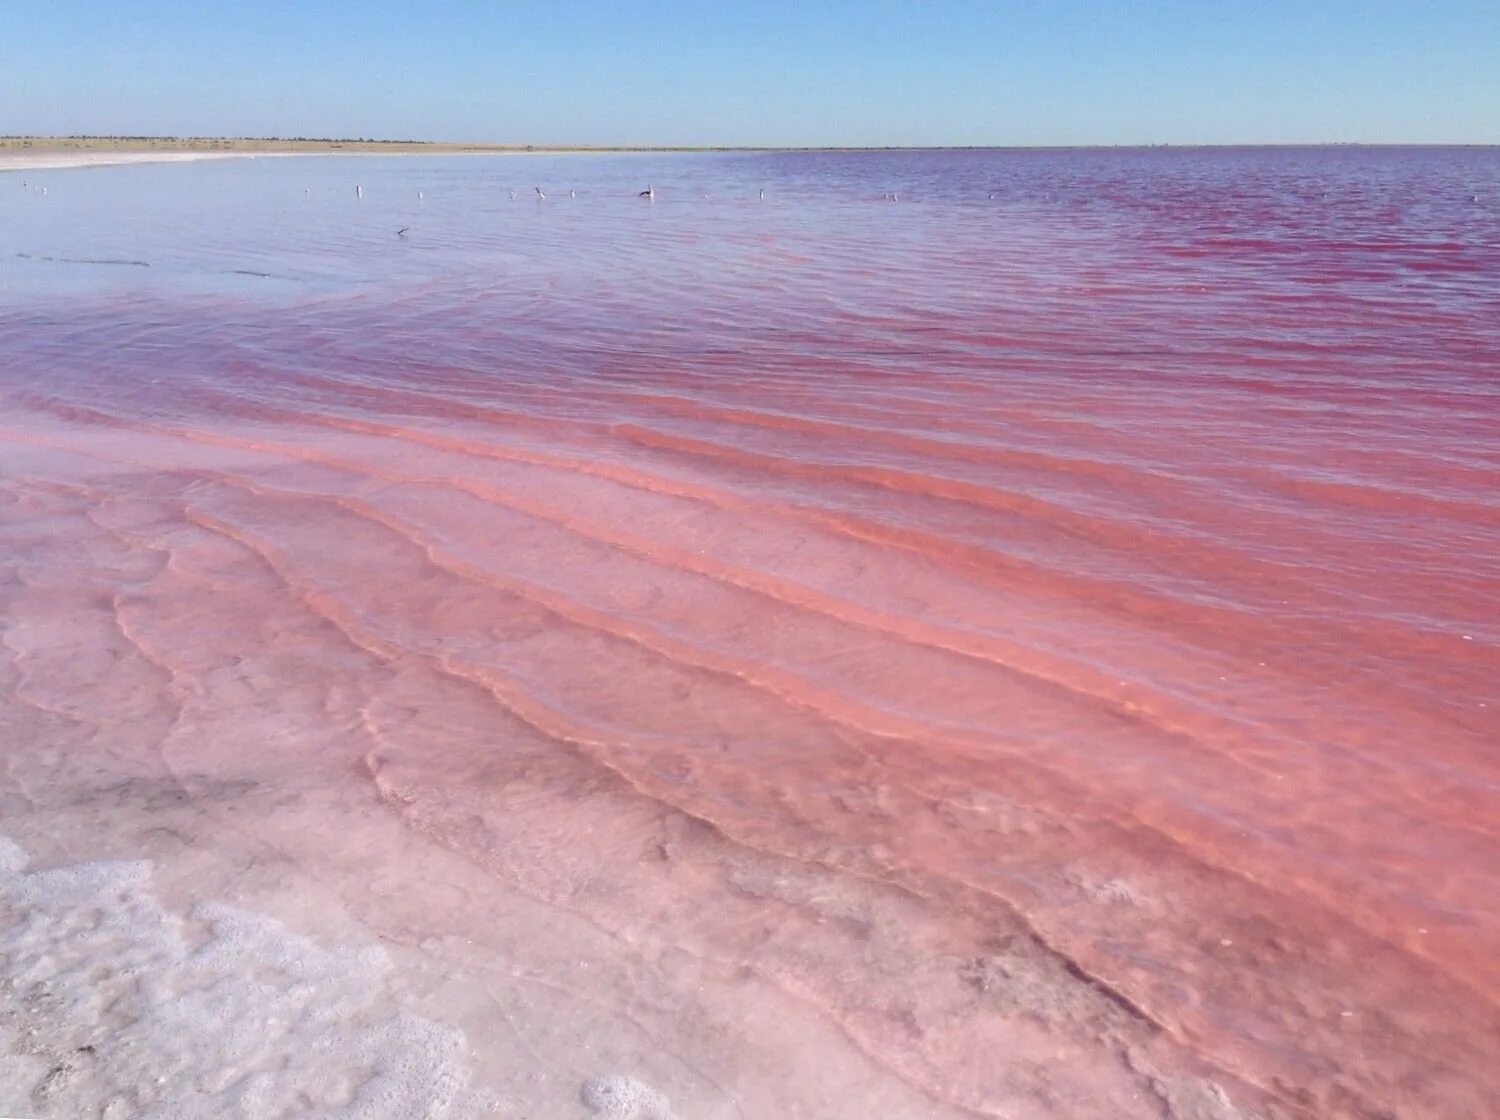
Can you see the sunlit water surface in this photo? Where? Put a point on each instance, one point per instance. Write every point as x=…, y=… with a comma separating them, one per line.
x=1005, y=634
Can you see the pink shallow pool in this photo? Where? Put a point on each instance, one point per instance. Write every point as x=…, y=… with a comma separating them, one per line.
x=1029, y=649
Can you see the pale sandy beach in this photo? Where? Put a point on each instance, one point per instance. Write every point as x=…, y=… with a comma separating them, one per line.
x=55, y=160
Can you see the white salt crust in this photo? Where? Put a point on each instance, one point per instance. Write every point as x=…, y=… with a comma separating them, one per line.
x=111, y=1006
x=624, y=1098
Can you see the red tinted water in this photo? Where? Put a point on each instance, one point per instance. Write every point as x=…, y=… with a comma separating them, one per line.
x=1048, y=626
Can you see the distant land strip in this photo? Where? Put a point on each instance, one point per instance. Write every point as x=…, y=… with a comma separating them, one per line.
x=104, y=144
x=314, y=144
x=364, y=144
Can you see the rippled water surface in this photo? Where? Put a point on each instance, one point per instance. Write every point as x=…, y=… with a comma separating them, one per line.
x=1005, y=634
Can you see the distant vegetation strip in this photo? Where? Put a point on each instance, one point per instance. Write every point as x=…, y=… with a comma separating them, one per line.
x=319, y=143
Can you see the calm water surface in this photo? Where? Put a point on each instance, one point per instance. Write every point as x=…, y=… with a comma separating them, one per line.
x=1043, y=629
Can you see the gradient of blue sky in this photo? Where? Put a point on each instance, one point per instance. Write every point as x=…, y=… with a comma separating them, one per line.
x=772, y=72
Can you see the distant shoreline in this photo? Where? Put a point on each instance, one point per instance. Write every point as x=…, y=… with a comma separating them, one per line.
x=21, y=153
x=38, y=153
x=229, y=145
x=38, y=148
x=50, y=153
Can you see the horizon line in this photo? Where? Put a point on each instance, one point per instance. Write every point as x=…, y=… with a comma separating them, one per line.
x=498, y=146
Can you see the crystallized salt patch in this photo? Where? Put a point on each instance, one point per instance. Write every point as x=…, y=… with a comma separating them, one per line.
x=624, y=1098
x=106, y=1008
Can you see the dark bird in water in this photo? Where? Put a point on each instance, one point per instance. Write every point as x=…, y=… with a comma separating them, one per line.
x=539, y=193
x=649, y=192
x=402, y=231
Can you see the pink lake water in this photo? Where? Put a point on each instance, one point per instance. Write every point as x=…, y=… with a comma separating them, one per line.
x=1030, y=648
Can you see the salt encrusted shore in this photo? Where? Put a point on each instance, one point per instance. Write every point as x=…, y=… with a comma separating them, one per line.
x=43, y=160
x=57, y=160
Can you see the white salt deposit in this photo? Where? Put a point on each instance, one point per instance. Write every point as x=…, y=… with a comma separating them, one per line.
x=624, y=1098
x=113, y=1006
x=56, y=160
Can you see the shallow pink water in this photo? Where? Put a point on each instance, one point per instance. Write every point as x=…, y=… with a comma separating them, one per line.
x=1053, y=636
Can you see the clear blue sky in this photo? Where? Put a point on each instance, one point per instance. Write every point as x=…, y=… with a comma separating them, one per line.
x=772, y=72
